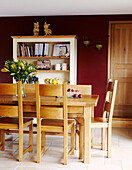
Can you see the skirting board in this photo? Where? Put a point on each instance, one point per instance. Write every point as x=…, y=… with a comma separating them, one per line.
x=122, y=122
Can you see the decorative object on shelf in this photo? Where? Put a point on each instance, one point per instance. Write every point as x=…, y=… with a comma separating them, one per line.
x=56, y=80
x=99, y=45
x=32, y=79
x=19, y=70
x=44, y=65
x=86, y=41
x=57, y=66
x=46, y=29
x=36, y=28
x=64, y=66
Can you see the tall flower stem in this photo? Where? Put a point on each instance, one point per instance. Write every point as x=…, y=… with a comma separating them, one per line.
x=23, y=91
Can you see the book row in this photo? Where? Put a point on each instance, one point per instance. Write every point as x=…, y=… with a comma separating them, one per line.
x=43, y=49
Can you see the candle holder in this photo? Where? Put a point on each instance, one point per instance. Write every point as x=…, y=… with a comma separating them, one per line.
x=99, y=45
x=86, y=41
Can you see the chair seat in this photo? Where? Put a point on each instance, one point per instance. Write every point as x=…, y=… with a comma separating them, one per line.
x=11, y=122
x=97, y=121
x=56, y=124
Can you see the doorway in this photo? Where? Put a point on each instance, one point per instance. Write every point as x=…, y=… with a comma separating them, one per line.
x=120, y=68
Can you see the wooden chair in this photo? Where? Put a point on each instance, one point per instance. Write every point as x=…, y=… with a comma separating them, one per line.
x=84, y=90
x=30, y=111
x=55, y=119
x=102, y=122
x=11, y=117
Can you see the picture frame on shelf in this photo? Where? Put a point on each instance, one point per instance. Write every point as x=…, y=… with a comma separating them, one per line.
x=62, y=50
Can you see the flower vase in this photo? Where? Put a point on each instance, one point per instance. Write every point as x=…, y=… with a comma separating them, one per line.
x=23, y=91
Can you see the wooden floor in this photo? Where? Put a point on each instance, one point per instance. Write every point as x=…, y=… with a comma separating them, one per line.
x=53, y=158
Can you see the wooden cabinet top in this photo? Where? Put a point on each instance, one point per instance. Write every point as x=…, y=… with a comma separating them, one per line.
x=43, y=36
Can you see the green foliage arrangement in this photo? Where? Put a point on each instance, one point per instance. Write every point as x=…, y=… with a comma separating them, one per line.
x=20, y=70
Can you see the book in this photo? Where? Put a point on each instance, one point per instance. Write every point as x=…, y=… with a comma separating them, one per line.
x=32, y=51
x=46, y=49
x=20, y=44
x=23, y=46
x=18, y=50
x=25, y=49
x=43, y=49
x=29, y=55
x=40, y=50
x=22, y=51
x=36, y=50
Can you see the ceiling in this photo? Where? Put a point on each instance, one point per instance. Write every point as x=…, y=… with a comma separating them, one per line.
x=64, y=7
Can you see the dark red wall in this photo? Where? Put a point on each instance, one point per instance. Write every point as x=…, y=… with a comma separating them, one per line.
x=92, y=64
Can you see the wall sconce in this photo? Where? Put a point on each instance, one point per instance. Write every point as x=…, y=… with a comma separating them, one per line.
x=86, y=41
x=99, y=45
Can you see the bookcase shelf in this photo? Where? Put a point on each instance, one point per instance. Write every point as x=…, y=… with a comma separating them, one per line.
x=70, y=59
x=33, y=57
x=65, y=71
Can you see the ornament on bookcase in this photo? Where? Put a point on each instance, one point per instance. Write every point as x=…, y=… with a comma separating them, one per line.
x=36, y=28
x=46, y=29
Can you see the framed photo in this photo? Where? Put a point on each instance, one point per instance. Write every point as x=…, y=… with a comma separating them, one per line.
x=62, y=50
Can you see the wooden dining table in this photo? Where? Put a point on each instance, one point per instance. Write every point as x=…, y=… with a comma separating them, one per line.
x=76, y=106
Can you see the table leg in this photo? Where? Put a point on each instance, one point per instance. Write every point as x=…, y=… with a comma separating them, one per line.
x=87, y=134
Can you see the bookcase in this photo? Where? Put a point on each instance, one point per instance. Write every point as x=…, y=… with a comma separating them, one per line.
x=25, y=48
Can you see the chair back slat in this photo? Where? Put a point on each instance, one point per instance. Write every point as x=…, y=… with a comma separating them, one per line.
x=107, y=106
x=37, y=103
x=29, y=89
x=8, y=89
x=50, y=90
x=110, y=86
x=113, y=100
x=83, y=89
x=8, y=111
x=110, y=99
x=20, y=105
x=51, y=112
x=12, y=110
x=65, y=111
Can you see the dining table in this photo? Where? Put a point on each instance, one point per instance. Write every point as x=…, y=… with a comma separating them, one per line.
x=76, y=106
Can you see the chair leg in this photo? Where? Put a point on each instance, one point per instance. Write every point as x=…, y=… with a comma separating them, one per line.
x=20, y=144
x=38, y=141
x=109, y=141
x=77, y=137
x=103, y=139
x=92, y=135
x=43, y=141
x=81, y=129
x=2, y=140
x=72, y=138
x=65, y=148
x=31, y=136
